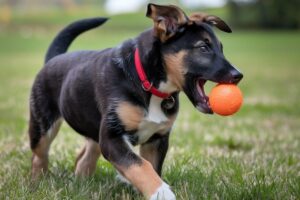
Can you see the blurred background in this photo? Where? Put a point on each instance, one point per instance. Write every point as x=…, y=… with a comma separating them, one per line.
x=254, y=154
x=263, y=14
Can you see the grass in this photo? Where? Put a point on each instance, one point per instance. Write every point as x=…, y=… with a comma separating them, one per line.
x=254, y=154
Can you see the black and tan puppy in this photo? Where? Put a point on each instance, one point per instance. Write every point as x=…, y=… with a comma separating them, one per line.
x=127, y=95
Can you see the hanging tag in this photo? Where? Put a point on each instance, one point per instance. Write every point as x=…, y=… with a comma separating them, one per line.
x=168, y=103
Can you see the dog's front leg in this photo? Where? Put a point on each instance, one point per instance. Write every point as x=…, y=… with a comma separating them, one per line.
x=138, y=171
x=155, y=151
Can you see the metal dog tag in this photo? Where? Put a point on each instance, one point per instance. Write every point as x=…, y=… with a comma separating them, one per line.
x=168, y=103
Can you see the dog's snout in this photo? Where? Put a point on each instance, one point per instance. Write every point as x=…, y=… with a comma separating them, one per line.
x=236, y=76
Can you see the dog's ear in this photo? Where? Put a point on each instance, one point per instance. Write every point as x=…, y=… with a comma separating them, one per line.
x=168, y=20
x=210, y=19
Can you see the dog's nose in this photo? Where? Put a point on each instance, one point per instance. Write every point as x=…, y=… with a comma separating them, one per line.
x=236, y=76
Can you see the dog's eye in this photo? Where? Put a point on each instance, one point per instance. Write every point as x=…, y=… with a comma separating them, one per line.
x=202, y=46
x=204, y=49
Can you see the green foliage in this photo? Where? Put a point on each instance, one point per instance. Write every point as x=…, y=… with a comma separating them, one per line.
x=270, y=14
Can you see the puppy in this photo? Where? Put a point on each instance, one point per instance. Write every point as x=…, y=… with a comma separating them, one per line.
x=128, y=95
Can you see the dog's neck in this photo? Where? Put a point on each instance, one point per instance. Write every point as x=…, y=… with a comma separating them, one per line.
x=153, y=63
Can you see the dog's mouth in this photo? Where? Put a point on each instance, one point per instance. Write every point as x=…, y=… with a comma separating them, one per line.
x=202, y=100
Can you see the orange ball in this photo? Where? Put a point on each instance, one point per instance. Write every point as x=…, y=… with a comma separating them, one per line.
x=225, y=99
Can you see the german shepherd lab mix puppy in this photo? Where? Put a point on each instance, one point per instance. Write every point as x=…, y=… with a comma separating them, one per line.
x=128, y=95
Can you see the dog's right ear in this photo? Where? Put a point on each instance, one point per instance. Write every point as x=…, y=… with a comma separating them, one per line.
x=168, y=20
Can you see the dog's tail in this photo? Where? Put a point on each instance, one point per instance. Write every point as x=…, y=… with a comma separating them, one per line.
x=64, y=38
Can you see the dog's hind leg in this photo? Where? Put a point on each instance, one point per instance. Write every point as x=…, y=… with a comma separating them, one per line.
x=41, y=135
x=87, y=159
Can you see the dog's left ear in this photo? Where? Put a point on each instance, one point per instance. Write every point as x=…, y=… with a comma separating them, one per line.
x=210, y=19
x=168, y=20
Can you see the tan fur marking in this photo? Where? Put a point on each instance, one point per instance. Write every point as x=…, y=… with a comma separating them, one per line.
x=175, y=68
x=87, y=159
x=130, y=115
x=81, y=153
x=182, y=19
x=160, y=31
x=172, y=119
x=153, y=12
x=143, y=177
x=197, y=17
x=39, y=163
x=40, y=158
x=147, y=151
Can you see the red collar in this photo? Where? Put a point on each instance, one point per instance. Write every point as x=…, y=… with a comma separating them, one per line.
x=146, y=85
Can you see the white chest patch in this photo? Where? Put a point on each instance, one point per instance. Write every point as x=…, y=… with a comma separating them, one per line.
x=154, y=122
x=155, y=113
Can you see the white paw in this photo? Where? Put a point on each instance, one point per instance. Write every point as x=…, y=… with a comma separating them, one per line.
x=163, y=193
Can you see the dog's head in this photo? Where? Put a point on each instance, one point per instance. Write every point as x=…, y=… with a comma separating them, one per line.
x=191, y=51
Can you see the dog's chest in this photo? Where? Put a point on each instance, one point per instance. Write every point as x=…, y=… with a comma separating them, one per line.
x=155, y=121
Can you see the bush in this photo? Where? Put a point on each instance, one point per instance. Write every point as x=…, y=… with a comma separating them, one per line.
x=269, y=14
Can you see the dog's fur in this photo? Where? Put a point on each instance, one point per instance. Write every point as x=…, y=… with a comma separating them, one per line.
x=99, y=94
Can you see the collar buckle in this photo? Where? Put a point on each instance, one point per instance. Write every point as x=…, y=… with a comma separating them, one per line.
x=147, y=86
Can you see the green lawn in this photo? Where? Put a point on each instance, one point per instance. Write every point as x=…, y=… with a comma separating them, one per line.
x=254, y=154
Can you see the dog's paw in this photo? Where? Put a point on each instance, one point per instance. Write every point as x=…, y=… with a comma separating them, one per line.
x=163, y=193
